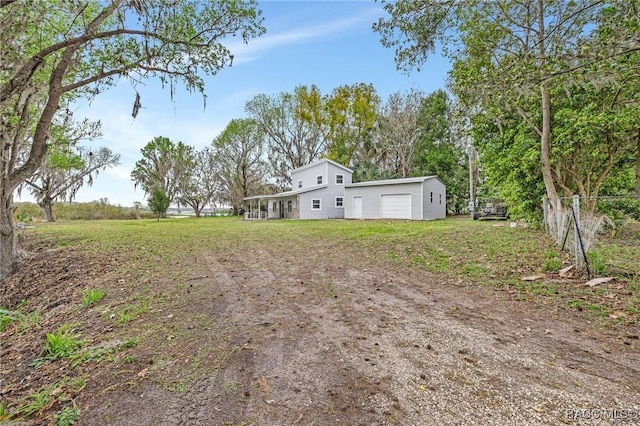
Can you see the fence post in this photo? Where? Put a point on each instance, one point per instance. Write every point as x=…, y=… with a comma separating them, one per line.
x=576, y=230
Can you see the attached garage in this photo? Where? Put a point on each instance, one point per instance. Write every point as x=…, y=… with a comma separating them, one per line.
x=395, y=206
x=419, y=198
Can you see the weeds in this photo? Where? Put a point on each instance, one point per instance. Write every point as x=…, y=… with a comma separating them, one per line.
x=92, y=296
x=131, y=312
x=597, y=262
x=7, y=317
x=61, y=344
x=67, y=416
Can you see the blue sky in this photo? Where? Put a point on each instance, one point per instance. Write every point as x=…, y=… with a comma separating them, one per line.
x=326, y=43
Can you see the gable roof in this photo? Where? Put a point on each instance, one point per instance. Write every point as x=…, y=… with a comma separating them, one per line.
x=418, y=179
x=320, y=161
x=286, y=193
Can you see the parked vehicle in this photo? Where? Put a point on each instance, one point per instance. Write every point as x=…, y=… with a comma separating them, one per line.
x=492, y=210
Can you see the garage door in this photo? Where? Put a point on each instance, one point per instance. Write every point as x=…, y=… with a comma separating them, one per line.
x=395, y=206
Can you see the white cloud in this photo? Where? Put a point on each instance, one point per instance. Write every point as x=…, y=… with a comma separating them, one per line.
x=257, y=48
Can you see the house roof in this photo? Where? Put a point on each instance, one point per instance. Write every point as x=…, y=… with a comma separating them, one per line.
x=418, y=179
x=322, y=160
x=286, y=193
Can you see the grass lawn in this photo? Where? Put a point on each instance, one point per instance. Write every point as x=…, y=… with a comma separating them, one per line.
x=486, y=253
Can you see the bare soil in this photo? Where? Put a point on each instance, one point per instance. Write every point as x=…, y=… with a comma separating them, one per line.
x=326, y=334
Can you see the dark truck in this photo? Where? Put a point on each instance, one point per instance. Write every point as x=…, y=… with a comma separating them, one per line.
x=492, y=210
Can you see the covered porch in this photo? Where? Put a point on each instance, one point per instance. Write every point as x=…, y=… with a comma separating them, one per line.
x=276, y=206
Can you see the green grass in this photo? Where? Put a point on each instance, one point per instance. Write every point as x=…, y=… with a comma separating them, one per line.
x=92, y=296
x=64, y=343
x=485, y=253
x=7, y=317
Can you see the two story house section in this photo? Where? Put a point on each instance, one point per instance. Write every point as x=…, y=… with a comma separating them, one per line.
x=318, y=193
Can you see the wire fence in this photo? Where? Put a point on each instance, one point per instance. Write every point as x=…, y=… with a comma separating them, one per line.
x=575, y=225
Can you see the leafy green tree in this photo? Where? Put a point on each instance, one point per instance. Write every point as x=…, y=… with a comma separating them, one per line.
x=54, y=52
x=239, y=151
x=199, y=184
x=62, y=175
x=510, y=55
x=159, y=202
x=438, y=152
x=295, y=126
x=351, y=114
x=397, y=132
x=164, y=164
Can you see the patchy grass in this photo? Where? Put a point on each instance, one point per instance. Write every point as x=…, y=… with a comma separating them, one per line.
x=147, y=269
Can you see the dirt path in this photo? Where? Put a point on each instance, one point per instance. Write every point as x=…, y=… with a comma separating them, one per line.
x=261, y=338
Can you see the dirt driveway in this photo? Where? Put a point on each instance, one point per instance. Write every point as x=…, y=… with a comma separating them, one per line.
x=259, y=337
x=314, y=335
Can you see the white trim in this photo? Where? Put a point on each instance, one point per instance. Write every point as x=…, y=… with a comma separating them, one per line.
x=319, y=179
x=342, y=178
x=319, y=200
x=341, y=197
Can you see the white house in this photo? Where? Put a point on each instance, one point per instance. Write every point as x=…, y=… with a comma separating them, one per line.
x=324, y=190
x=318, y=193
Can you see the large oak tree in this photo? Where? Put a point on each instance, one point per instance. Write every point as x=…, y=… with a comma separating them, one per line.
x=53, y=52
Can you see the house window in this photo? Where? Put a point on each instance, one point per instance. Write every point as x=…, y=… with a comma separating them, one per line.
x=339, y=202
x=319, y=180
x=315, y=204
x=275, y=206
x=289, y=206
x=300, y=183
x=339, y=179
x=432, y=197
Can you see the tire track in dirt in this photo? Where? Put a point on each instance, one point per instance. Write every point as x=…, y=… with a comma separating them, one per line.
x=371, y=343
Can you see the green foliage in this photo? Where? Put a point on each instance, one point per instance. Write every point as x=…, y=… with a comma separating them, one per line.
x=92, y=296
x=7, y=317
x=28, y=212
x=552, y=261
x=439, y=153
x=597, y=262
x=619, y=209
x=159, y=202
x=95, y=210
x=61, y=344
x=67, y=416
x=131, y=312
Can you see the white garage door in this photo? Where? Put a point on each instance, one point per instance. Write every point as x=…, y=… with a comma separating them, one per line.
x=395, y=206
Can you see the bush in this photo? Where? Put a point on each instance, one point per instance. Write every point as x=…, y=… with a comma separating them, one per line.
x=620, y=209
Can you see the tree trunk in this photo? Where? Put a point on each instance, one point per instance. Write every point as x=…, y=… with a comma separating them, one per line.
x=47, y=206
x=638, y=167
x=545, y=101
x=545, y=147
x=8, y=249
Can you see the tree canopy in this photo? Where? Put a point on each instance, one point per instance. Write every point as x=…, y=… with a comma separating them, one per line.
x=55, y=52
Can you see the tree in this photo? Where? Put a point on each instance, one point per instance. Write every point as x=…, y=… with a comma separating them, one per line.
x=352, y=112
x=240, y=152
x=295, y=127
x=398, y=131
x=438, y=152
x=159, y=202
x=63, y=174
x=508, y=55
x=164, y=164
x=55, y=51
x=198, y=186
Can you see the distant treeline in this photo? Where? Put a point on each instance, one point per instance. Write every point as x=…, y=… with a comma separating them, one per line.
x=94, y=210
